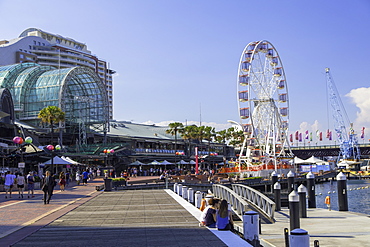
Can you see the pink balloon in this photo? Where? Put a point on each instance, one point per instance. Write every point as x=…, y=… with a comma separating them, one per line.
x=50, y=147
x=112, y=151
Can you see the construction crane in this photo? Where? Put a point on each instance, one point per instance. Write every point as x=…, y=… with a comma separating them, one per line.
x=349, y=149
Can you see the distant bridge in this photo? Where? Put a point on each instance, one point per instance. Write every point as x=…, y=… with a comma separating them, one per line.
x=305, y=152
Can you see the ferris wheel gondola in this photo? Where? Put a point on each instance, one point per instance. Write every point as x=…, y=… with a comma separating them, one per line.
x=263, y=104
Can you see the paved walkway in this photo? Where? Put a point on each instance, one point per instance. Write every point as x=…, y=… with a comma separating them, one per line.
x=81, y=216
x=20, y=217
x=331, y=228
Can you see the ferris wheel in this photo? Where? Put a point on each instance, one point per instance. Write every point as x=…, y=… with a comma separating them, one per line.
x=263, y=103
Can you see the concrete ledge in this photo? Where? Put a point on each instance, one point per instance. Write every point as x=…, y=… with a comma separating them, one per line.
x=228, y=237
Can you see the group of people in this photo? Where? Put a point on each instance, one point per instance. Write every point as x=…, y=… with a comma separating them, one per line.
x=48, y=183
x=217, y=214
x=18, y=180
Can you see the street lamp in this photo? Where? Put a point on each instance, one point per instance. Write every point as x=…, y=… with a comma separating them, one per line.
x=51, y=150
x=107, y=152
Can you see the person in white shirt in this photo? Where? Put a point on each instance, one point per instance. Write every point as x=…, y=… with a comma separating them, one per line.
x=8, y=184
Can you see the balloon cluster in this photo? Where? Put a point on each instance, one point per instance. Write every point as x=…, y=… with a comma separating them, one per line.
x=180, y=153
x=108, y=151
x=51, y=147
x=213, y=154
x=18, y=140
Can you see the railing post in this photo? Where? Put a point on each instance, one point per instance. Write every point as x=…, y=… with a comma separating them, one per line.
x=198, y=199
x=311, y=190
x=274, y=179
x=277, y=195
x=191, y=195
x=184, y=192
x=302, y=201
x=342, y=192
x=290, y=176
x=294, y=210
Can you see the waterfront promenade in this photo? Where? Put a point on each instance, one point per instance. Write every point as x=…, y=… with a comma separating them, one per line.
x=82, y=216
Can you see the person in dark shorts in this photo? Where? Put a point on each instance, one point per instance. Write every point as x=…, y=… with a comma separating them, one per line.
x=85, y=176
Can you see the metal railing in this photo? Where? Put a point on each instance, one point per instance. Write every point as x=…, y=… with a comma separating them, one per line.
x=256, y=199
x=238, y=204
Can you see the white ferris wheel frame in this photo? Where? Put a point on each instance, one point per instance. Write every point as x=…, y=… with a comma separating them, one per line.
x=263, y=104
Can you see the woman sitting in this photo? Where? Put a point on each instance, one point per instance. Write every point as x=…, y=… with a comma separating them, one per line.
x=209, y=213
x=223, y=217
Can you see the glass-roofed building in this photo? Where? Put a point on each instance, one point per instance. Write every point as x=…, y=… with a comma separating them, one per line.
x=78, y=91
x=37, y=46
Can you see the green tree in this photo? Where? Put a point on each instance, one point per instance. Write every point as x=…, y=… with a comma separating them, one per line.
x=51, y=115
x=173, y=129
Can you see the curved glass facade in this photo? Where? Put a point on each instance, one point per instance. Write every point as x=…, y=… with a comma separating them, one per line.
x=78, y=91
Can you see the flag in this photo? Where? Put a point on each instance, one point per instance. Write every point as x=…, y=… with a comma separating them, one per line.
x=320, y=136
x=310, y=136
x=363, y=133
x=291, y=137
x=296, y=135
x=300, y=137
x=306, y=135
x=330, y=136
x=327, y=133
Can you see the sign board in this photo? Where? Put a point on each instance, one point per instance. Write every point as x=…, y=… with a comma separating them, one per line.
x=21, y=165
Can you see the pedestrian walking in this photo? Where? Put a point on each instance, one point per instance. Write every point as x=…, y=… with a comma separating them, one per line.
x=30, y=184
x=20, y=184
x=8, y=184
x=48, y=187
x=85, y=177
x=78, y=178
x=62, y=181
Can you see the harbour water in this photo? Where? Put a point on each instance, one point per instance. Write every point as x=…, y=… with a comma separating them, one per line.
x=358, y=195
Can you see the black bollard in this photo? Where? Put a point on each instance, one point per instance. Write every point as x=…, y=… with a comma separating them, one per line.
x=342, y=192
x=274, y=179
x=290, y=176
x=311, y=190
x=277, y=196
x=302, y=201
x=294, y=210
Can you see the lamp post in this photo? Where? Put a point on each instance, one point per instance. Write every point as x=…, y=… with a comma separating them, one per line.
x=106, y=153
x=52, y=150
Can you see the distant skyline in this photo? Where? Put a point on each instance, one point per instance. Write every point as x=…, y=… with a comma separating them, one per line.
x=177, y=60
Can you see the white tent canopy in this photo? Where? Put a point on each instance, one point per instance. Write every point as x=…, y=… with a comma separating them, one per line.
x=297, y=160
x=70, y=160
x=311, y=160
x=57, y=161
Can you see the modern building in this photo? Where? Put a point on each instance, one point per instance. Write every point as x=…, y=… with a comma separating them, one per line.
x=78, y=91
x=36, y=46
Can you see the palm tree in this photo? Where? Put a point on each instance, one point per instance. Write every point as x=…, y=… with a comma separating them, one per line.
x=175, y=128
x=51, y=115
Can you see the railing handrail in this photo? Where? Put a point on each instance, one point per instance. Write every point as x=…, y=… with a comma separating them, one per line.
x=238, y=204
x=257, y=199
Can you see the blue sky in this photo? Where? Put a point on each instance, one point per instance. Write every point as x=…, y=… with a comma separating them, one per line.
x=176, y=59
